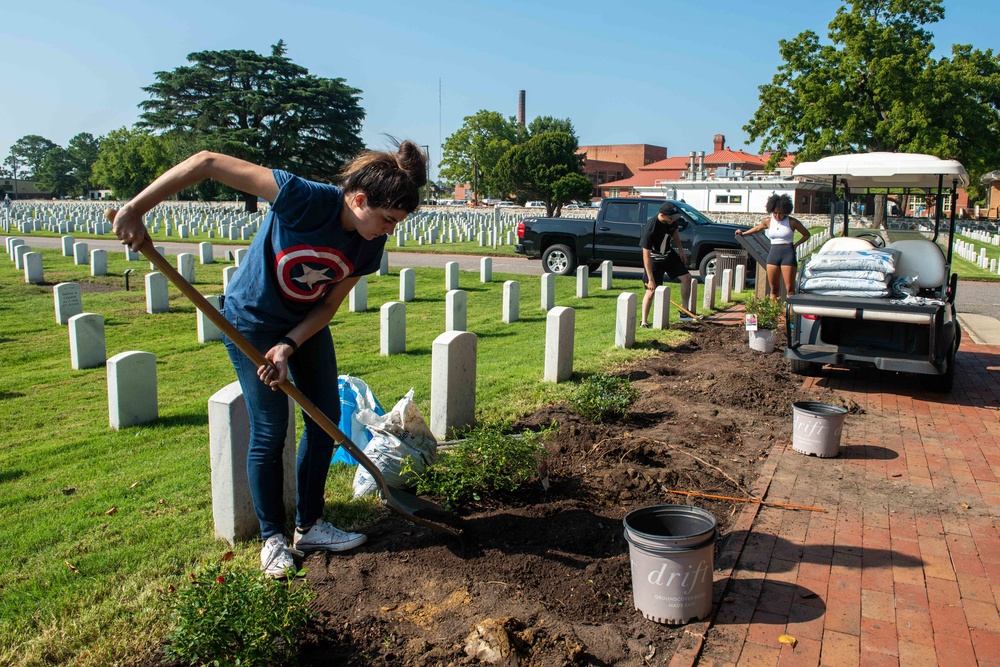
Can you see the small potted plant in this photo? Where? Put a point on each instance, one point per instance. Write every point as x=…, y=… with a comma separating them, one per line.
x=762, y=319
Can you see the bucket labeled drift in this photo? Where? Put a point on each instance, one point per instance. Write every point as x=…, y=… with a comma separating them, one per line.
x=817, y=427
x=672, y=551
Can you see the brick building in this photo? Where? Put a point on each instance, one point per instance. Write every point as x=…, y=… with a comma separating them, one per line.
x=602, y=164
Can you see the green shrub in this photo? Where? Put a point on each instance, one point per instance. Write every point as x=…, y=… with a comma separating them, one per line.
x=604, y=397
x=487, y=461
x=768, y=311
x=238, y=617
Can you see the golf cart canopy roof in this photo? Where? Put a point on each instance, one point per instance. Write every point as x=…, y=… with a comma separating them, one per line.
x=886, y=170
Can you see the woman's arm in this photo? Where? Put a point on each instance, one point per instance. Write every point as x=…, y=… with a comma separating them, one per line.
x=801, y=229
x=239, y=174
x=753, y=230
x=317, y=318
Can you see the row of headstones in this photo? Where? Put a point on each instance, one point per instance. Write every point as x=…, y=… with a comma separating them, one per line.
x=967, y=251
x=980, y=235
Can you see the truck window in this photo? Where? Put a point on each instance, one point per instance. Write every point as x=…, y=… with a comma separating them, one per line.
x=652, y=209
x=622, y=212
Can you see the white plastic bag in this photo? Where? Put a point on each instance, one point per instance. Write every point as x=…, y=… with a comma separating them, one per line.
x=399, y=434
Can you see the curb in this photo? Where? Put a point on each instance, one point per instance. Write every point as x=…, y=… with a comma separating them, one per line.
x=689, y=649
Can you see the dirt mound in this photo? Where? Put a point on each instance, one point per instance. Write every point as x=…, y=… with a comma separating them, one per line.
x=542, y=578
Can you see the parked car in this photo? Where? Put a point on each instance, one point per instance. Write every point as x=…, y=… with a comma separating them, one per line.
x=535, y=204
x=571, y=207
x=505, y=203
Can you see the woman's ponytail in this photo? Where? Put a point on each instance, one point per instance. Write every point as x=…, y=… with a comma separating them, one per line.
x=390, y=180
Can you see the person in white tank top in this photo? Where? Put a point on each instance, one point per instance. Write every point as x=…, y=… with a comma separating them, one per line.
x=781, y=228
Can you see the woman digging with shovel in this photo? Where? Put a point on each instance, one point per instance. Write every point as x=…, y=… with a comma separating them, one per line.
x=312, y=248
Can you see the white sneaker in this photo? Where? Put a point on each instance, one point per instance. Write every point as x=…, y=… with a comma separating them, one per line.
x=324, y=536
x=276, y=558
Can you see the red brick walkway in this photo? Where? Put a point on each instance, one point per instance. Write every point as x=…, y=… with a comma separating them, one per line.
x=904, y=566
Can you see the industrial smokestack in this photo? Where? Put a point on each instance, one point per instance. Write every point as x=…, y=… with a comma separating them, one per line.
x=520, y=107
x=701, y=163
x=691, y=174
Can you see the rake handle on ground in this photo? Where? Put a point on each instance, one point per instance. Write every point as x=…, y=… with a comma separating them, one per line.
x=685, y=310
x=747, y=500
x=245, y=346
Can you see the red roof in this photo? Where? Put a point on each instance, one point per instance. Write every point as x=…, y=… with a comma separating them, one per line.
x=678, y=163
x=724, y=157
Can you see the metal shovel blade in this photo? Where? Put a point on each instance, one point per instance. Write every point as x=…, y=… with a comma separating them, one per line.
x=403, y=503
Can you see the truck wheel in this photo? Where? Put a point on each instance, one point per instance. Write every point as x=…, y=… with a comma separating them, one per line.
x=807, y=368
x=707, y=266
x=559, y=259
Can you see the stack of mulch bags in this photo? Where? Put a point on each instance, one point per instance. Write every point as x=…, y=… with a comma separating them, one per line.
x=858, y=273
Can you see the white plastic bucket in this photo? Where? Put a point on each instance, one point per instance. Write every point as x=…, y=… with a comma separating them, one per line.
x=816, y=428
x=672, y=551
x=762, y=340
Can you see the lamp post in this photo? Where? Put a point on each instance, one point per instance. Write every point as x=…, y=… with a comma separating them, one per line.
x=427, y=185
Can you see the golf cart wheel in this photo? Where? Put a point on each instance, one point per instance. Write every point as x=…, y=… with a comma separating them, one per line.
x=807, y=368
x=942, y=384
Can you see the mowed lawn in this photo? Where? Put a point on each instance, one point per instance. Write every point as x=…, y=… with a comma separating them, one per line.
x=98, y=524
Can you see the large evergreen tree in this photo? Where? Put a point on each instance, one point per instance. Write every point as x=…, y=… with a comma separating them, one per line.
x=873, y=86
x=26, y=154
x=265, y=109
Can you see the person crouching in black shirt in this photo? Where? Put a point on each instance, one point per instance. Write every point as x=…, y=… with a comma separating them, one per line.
x=659, y=258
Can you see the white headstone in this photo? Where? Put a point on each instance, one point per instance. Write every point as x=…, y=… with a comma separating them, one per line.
x=451, y=275
x=708, y=297
x=486, y=270
x=239, y=255
x=560, y=325
x=692, y=303
x=87, y=348
x=727, y=285
x=407, y=285
x=67, y=301
x=453, y=383
x=740, y=280
x=358, y=297
x=32, y=262
x=548, y=291
x=456, y=310
x=99, y=262
x=80, y=254
x=205, y=252
x=132, y=389
x=67, y=246
x=20, y=251
x=607, y=274
x=511, y=301
x=207, y=331
x=383, y=267
x=185, y=266
x=661, y=307
x=625, y=320
x=392, y=318
x=229, y=440
x=157, y=299
x=227, y=275
x=582, y=281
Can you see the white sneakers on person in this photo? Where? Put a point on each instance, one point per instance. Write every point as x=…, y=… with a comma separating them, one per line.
x=327, y=537
x=276, y=558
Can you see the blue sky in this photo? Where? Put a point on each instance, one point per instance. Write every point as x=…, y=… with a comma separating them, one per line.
x=665, y=72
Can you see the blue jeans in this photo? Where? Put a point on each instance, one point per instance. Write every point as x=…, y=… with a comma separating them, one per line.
x=313, y=369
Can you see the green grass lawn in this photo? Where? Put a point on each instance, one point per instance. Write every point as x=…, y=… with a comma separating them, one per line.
x=98, y=523
x=967, y=270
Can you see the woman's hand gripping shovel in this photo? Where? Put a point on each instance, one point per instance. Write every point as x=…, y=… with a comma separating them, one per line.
x=403, y=503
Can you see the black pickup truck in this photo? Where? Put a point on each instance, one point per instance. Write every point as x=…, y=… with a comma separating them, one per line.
x=565, y=243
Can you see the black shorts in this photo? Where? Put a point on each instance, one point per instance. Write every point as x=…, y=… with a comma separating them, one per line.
x=782, y=254
x=671, y=265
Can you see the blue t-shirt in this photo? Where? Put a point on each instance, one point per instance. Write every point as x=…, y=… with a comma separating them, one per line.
x=299, y=252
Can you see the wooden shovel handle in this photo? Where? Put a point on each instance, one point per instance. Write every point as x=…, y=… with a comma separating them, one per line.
x=685, y=310
x=245, y=346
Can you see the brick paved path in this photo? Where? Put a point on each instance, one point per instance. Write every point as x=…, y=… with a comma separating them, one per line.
x=904, y=566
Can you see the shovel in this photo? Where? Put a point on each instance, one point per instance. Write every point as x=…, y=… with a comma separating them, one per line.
x=403, y=503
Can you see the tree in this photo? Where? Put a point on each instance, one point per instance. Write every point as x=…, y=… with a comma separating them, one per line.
x=82, y=149
x=128, y=160
x=545, y=167
x=543, y=124
x=26, y=154
x=471, y=154
x=55, y=173
x=874, y=87
x=265, y=109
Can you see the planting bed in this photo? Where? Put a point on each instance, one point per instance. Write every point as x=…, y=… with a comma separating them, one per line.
x=544, y=575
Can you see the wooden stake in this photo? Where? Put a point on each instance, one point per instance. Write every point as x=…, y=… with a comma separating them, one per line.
x=747, y=500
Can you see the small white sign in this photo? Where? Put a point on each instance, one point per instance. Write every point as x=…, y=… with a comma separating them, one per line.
x=751, y=322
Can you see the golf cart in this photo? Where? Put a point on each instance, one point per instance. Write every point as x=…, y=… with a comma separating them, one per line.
x=916, y=332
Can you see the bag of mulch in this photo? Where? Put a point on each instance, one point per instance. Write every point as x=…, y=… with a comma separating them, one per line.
x=399, y=434
x=355, y=397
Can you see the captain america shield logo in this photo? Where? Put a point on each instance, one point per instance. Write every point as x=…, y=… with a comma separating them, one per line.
x=305, y=272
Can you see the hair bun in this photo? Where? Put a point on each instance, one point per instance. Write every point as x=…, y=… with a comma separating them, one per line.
x=411, y=160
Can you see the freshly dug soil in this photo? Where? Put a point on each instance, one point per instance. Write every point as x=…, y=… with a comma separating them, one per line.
x=542, y=578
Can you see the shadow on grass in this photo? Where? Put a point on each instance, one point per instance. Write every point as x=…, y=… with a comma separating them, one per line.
x=11, y=475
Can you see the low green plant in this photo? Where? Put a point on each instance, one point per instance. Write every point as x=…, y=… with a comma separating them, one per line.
x=768, y=311
x=487, y=461
x=604, y=397
x=238, y=616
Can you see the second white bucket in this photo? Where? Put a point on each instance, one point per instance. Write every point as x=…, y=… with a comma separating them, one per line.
x=817, y=427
